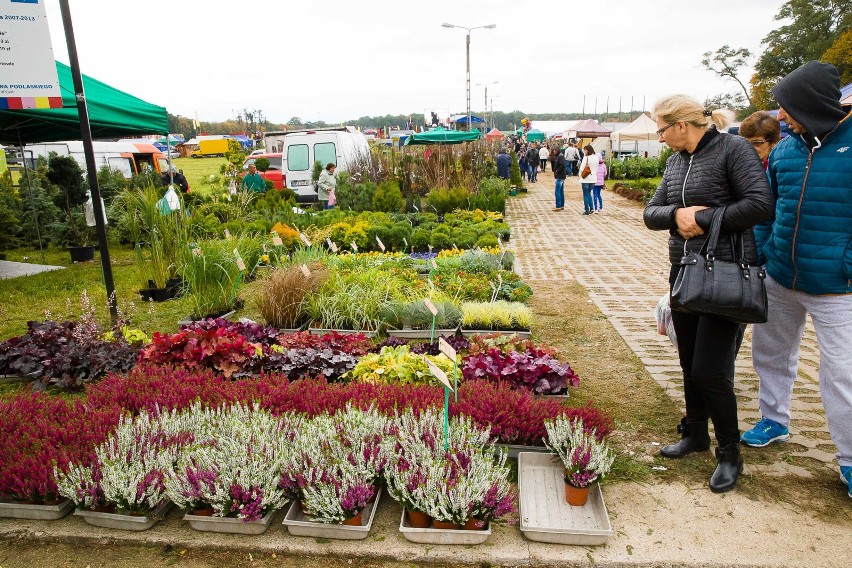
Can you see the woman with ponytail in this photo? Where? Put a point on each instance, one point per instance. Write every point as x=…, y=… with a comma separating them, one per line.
x=708, y=170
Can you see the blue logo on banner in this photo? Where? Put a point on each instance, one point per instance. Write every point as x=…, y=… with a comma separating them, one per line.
x=24, y=1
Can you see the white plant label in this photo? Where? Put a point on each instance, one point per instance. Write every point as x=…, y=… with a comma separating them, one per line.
x=500, y=242
x=305, y=270
x=455, y=247
x=354, y=247
x=446, y=349
x=331, y=244
x=240, y=263
x=500, y=279
x=227, y=234
x=276, y=240
x=430, y=247
x=381, y=244
x=430, y=306
x=438, y=373
x=405, y=241
x=493, y=288
x=304, y=239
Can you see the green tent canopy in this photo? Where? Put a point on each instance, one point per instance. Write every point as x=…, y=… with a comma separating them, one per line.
x=112, y=114
x=535, y=135
x=441, y=136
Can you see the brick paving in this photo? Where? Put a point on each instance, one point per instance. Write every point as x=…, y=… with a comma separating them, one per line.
x=624, y=266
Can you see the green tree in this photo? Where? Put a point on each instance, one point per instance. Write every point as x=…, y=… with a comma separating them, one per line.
x=515, y=172
x=294, y=122
x=726, y=62
x=813, y=27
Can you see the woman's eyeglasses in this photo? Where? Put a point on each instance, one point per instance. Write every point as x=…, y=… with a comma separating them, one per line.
x=757, y=142
x=662, y=130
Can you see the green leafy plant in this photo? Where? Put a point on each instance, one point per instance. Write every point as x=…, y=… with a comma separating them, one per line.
x=397, y=365
x=388, y=197
x=65, y=173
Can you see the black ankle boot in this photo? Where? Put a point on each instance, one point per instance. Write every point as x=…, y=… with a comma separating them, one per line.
x=729, y=469
x=694, y=438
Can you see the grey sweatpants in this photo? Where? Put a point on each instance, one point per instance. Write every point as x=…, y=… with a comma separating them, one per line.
x=775, y=354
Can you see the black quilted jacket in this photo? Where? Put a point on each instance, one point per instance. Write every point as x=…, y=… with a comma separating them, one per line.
x=724, y=170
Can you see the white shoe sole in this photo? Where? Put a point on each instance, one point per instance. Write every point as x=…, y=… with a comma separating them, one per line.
x=782, y=438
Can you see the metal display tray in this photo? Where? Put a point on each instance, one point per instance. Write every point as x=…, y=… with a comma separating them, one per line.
x=299, y=525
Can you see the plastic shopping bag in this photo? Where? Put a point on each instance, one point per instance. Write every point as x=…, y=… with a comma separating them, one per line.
x=663, y=313
x=331, y=198
x=170, y=202
x=90, y=211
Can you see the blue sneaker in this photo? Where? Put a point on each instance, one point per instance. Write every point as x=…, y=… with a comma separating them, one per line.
x=764, y=433
x=846, y=477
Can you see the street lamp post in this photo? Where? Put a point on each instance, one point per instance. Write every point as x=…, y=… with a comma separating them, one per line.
x=467, y=50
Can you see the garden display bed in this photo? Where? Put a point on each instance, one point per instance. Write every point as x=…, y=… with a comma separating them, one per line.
x=420, y=333
x=297, y=523
x=472, y=332
x=442, y=536
x=229, y=525
x=125, y=522
x=546, y=517
x=38, y=512
x=320, y=331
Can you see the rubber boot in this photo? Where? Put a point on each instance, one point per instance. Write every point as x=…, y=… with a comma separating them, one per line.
x=694, y=438
x=728, y=470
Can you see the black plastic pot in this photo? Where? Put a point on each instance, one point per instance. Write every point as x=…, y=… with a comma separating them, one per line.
x=156, y=294
x=82, y=254
x=2, y=256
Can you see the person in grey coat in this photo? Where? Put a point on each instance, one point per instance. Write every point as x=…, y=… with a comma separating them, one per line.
x=708, y=170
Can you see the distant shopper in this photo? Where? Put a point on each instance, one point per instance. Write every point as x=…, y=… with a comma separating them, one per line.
x=174, y=177
x=532, y=162
x=597, y=200
x=553, y=152
x=543, y=156
x=504, y=164
x=572, y=156
x=253, y=181
x=522, y=163
x=326, y=186
x=588, y=178
x=559, y=174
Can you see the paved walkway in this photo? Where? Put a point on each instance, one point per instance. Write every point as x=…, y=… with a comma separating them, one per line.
x=625, y=268
x=9, y=269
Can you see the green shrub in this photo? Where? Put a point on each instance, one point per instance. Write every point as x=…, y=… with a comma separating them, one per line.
x=420, y=239
x=649, y=167
x=10, y=209
x=262, y=164
x=515, y=172
x=487, y=240
x=357, y=197
x=465, y=238
x=492, y=195
x=388, y=197
x=444, y=201
x=440, y=239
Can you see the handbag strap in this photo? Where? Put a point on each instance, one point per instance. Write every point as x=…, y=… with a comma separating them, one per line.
x=709, y=247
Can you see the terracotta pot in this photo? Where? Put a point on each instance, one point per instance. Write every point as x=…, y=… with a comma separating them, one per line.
x=354, y=521
x=446, y=525
x=576, y=496
x=203, y=512
x=474, y=524
x=419, y=520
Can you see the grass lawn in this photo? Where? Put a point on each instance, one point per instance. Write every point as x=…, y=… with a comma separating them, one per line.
x=198, y=170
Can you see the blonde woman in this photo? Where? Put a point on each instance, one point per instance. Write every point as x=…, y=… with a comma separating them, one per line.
x=708, y=170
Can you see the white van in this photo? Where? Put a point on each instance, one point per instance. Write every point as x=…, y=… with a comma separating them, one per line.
x=342, y=146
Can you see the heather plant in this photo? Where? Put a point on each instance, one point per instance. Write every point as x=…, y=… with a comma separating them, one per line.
x=586, y=457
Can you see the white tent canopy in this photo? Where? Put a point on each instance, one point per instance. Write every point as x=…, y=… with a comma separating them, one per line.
x=643, y=128
x=553, y=127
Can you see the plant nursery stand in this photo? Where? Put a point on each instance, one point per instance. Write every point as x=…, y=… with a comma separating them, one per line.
x=546, y=517
x=229, y=525
x=299, y=525
x=442, y=536
x=321, y=331
x=126, y=522
x=38, y=512
x=471, y=332
x=420, y=333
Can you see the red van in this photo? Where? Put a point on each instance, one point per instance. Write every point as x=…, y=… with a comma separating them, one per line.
x=275, y=173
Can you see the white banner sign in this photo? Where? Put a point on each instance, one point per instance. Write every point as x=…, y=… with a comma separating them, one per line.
x=27, y=67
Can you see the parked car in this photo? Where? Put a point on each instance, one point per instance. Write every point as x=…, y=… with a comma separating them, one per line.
x=275, y=173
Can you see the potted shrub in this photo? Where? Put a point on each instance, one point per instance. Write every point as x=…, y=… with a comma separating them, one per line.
x=65, y=173
x=586, y=458
x=414, y=320
x=123, y=487
x=281, y=295
x=482, y=317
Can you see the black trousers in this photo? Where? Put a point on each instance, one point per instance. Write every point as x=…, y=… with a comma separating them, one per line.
x=707, y=347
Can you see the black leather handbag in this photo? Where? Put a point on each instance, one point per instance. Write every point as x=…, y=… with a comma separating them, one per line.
x=734, y=291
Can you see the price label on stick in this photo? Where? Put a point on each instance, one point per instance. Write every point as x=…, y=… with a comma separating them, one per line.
x=493, y=288
x=499, y=279
x=434, y=264
x=304, y=239
x=381, y=244
x=438, y=373
x=276, y=239
x=500, y=242
x=430, y=306
x=240, y=264
x=354, y=247
x=430, y=247
x=227, y=234
x=331, y=244
x=455, y=247
x=405, y=241
x=446, y=349
x=305, y=270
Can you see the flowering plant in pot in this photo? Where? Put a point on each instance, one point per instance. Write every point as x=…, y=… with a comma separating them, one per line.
x=468, y=480
x=531, y=369
x=339, y=460
x=232, y=464
x=586, y=458
x=126, y=476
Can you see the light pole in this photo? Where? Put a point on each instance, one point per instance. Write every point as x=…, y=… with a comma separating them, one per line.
x=486, y=99
x=467, y=46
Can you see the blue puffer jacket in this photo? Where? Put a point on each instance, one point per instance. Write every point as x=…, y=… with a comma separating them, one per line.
x=810, y=247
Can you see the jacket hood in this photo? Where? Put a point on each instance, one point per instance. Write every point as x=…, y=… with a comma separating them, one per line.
x=811, y=95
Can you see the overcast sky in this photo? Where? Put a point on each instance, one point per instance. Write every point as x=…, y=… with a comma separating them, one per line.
x=337, y=60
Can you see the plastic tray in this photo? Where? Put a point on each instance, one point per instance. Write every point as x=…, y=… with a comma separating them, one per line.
x=546, y=517
x=514, y=450
x=126, y=522
x=442, y=536
x=39, y=512
x=229, y=525
x=298, y=525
